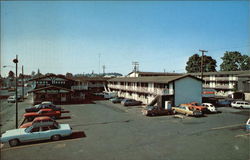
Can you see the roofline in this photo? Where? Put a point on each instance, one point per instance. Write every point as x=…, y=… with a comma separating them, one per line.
x=44, y=88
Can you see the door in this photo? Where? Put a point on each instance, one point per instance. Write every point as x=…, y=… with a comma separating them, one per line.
x=63, y=97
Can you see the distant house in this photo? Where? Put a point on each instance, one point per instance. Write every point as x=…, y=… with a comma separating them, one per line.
x=225, y=81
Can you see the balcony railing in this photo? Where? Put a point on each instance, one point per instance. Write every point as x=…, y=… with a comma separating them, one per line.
x=79, y=87
x=220, y=78
x=154, y=91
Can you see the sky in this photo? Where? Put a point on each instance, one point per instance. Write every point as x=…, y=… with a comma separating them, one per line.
x=82, y=36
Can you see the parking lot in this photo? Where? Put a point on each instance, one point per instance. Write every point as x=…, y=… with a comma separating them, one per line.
x=111, y=131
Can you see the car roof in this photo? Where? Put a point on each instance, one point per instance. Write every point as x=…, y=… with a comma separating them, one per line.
x=47, y=109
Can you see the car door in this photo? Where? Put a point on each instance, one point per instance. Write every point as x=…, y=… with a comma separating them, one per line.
x=45, y=132
x=32, y=135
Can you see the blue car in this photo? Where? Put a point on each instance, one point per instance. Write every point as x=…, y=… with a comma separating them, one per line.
x=35, y=133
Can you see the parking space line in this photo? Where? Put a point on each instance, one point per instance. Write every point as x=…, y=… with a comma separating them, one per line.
x=242, y=135
x=223, y=127
x=38, y=144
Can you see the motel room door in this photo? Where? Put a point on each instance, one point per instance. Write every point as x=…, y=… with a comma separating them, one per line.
x=63, y=97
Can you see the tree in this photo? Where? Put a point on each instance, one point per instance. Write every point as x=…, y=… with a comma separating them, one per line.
x=69, y=75
x=235, y=61
x=11, y=74
x=194, y=64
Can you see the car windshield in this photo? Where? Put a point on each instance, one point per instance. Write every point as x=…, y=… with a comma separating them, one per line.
x=37, y=106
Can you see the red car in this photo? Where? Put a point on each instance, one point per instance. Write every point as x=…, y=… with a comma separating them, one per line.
x=42, y=112
x=39, y=121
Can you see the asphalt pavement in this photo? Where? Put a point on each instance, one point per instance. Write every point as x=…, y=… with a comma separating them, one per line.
x=116, y=132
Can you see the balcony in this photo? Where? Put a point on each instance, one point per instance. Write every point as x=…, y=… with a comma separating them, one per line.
x=154, y=91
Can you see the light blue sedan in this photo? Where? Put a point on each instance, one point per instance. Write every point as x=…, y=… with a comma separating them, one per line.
x=35, y=133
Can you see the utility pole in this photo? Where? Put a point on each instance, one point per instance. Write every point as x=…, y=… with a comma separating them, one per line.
x=99, y=55
x=103, y=69
x=22, y=83
x=202, y=54
x=16, y=61
x=136, y=67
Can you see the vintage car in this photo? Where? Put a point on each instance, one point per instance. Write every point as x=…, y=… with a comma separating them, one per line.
x=155, y=111
x=197, y=106
x=116, y=99
x=41, y=121
x=33, y=133
x=240, y=104
x=210, y=107
x=186, y=110
x=130, y=102
x=43, y=105
x=42, y=112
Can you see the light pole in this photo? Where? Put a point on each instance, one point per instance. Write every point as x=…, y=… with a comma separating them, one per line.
x=16, y=62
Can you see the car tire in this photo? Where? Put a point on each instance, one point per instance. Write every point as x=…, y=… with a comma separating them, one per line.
x=186, y=114
x=241, y=107
x=13, y=142
x=55, y=137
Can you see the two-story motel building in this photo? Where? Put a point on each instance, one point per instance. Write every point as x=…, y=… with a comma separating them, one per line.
x=178, y=89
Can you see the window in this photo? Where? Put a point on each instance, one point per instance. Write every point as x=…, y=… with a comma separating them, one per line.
x=45, y=128
x=35, y=129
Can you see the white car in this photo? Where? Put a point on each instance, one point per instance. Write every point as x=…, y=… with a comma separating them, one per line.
x=34, y=133
x=240, y=104
x=11, y=99
x=210, y=107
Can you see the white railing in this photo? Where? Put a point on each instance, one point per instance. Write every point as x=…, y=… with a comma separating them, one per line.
x=79, y=87
x=155, y=91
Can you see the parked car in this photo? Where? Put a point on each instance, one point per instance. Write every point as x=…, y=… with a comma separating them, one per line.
x=197, y=106
x=42, y=112
x=155, y=111
x=34, y=133
x=210, y=107
x=130, y=102
x=43, y=105
x=185, y=109
x=248, y=125
x=39, y=121
x=116, y=99
x=11, y=99
x=240, y=104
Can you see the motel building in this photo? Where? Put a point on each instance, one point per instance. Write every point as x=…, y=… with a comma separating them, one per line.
x=177, y=89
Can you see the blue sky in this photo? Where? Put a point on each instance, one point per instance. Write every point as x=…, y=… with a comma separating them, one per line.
x=63, y=36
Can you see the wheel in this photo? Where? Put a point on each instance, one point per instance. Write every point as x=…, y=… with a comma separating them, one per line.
x=13, y=142
x=55, y=137
x=241, y=107
x=186, y=114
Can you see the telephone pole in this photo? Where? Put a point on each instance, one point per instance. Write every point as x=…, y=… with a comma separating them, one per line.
x=202, y=54
x=136, y=67
x=22, y=83
x=16, y=61
x=103, y=69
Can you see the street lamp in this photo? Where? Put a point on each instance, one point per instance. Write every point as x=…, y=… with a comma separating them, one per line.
x=16, y=62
